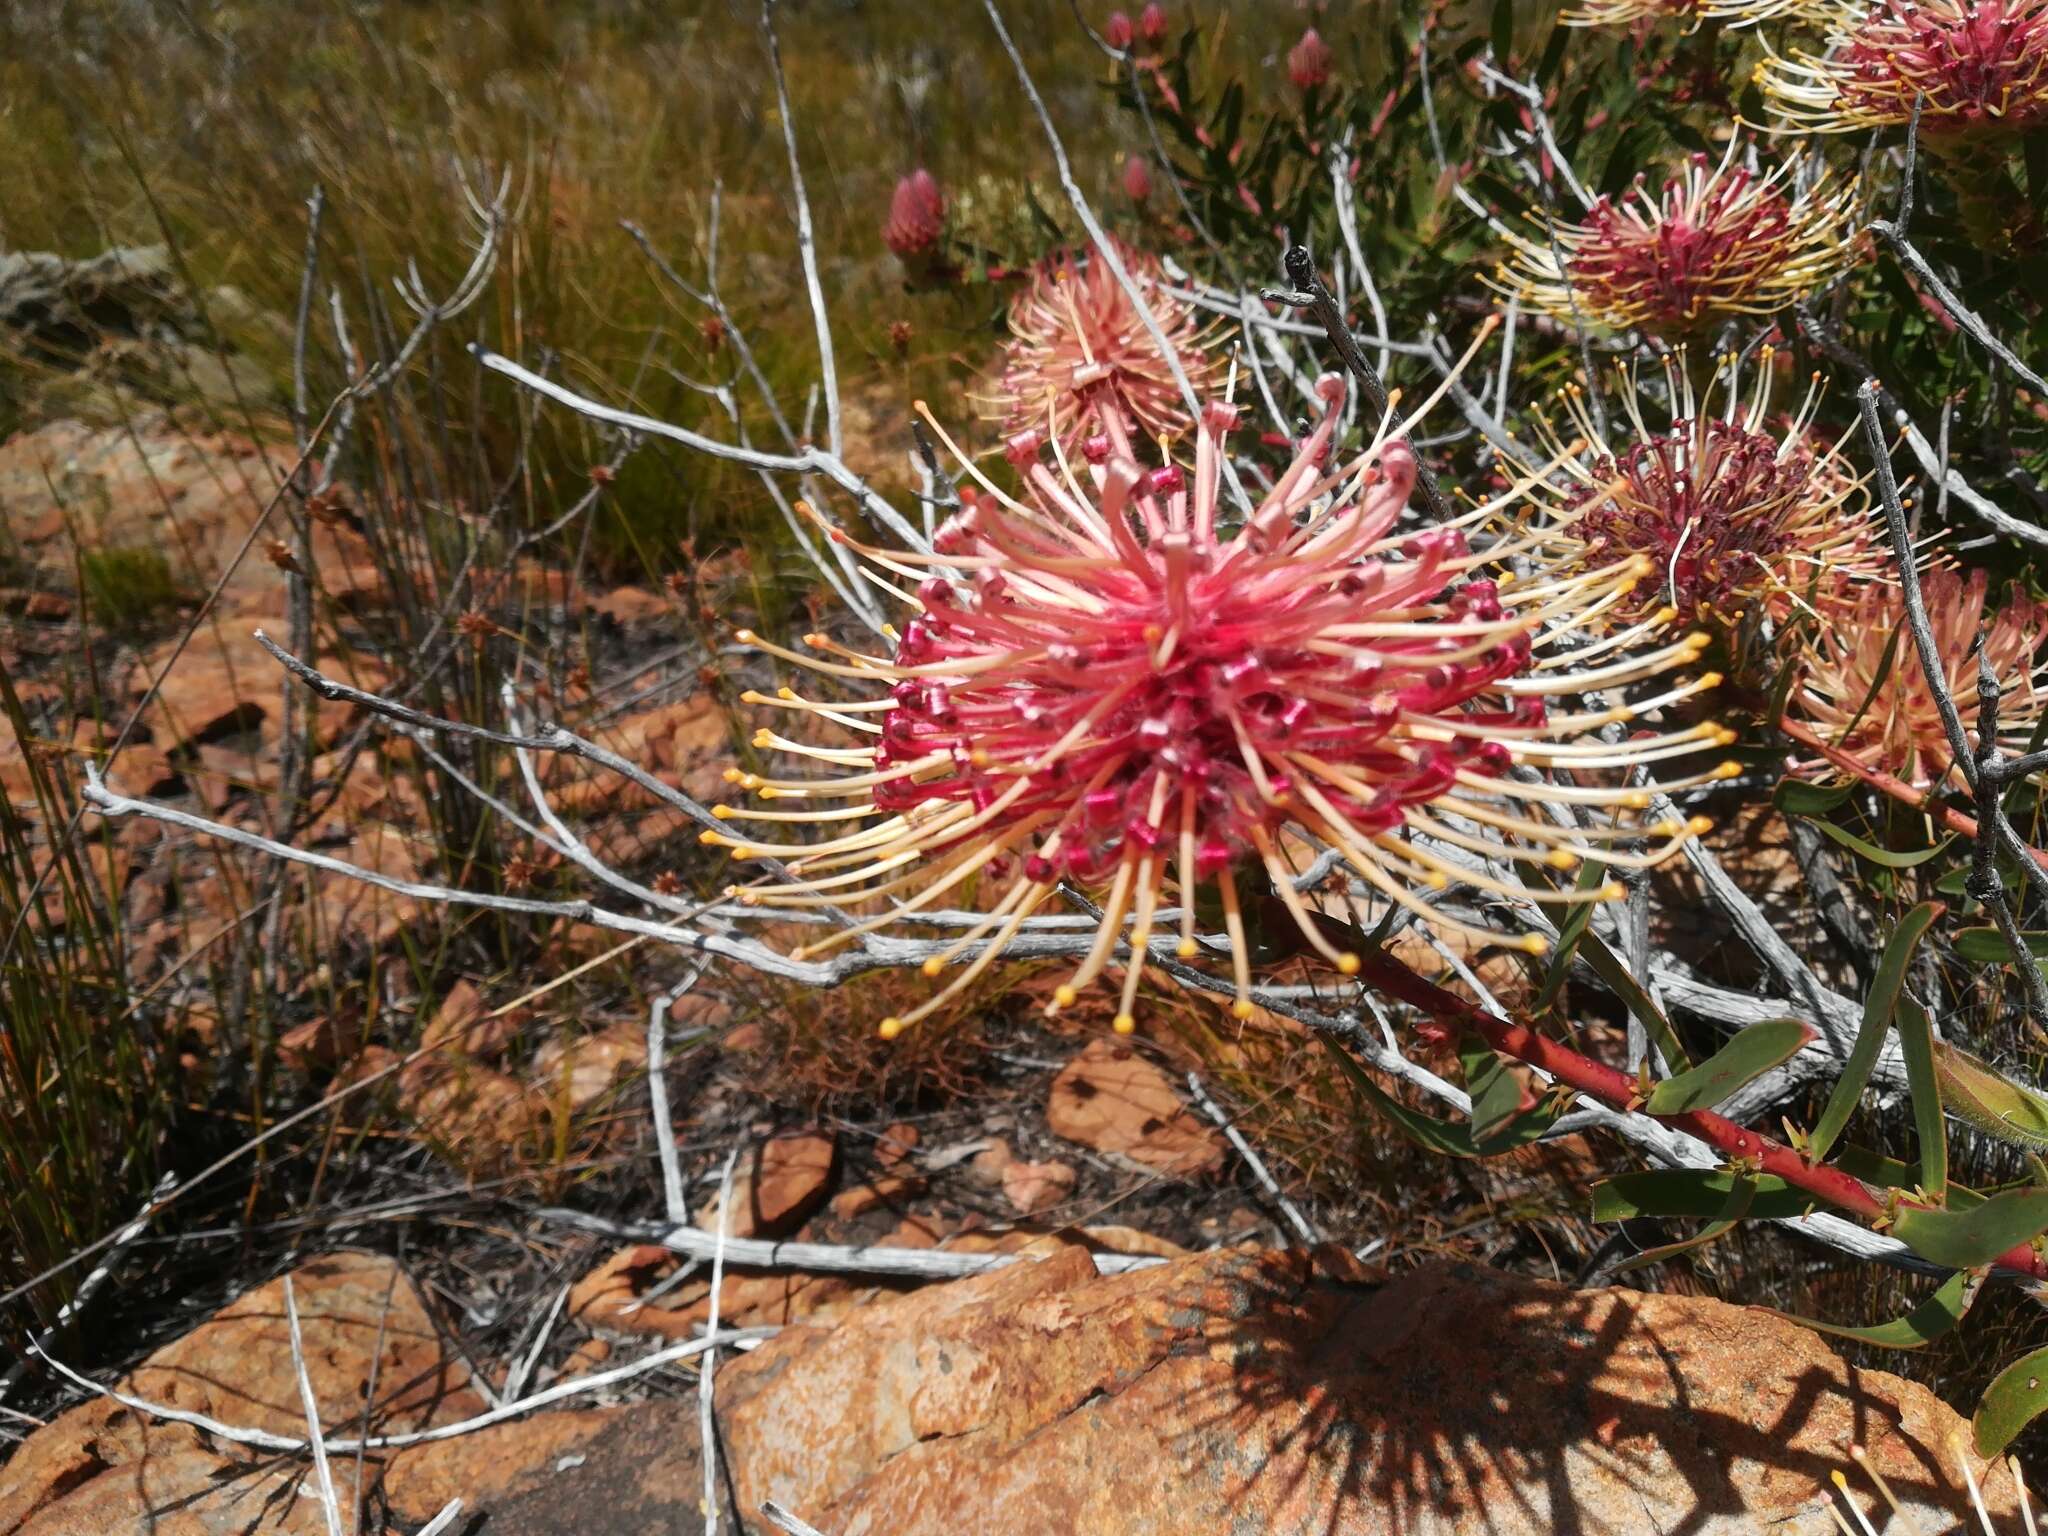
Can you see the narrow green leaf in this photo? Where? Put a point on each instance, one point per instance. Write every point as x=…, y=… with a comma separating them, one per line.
x=1918, y=1328
x=1979, y=1095
x=1916, y=1044
x=1968, y=1239
x=1878, y=1009
x=2016, y=1397
x=1503, y=30
x=1669, y=1192
x=1592, y=874
x=1796, y=797
x=1608, y=967
x=1736, y=1206
x=1428, y=1132
x=1750, y=1054
x=1987, y=946
x=1880, y=856
x=1496, y=1092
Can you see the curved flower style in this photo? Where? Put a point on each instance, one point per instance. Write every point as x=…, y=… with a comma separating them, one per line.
x=1102, y=686
x=1977, y=67
x=1080, y=354
x=1636, y=13
x=1737, y=520
x=1862, y=686
x=1714, y=243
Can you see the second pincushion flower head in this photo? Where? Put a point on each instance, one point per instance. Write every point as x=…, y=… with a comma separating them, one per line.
x=1105, y=685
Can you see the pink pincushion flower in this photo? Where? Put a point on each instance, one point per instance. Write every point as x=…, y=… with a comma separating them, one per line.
x=1118, y=31
x=1152, y=22
x=1080, y=352
x=1976, y=67
x=1308, y=61
x=1862, y=686
x=1716, y=242
x=1137, y=179
x=917, y=217
x=1105, y=684
x=1740, y=522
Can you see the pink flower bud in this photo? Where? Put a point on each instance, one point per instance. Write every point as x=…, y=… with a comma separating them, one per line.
x=1152, y=22
x=1118, y=31
x=1137, y=179
x=917, y=216
x=1308, y=61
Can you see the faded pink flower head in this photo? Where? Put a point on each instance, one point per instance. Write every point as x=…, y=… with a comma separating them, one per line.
x=1862, y=686
x=1152, y=22
x=1118, y=31
x=917, y=216
x=1137, y=178
x=1308, y=61
x=1978, y=67
x=1106, y=683
x=1741, y=518
x=1716, y=241
x=1079, y=351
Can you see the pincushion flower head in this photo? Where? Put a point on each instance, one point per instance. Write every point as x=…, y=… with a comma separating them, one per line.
x=1716, y=241
x=1976, y=68
x=1863, y=689
x=917, y=218
x=1742, y=516
x=1106, y=686
x=1080, y=354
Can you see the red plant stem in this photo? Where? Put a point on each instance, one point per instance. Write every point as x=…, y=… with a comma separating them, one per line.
x=1618, y=1090
x=1885, y=783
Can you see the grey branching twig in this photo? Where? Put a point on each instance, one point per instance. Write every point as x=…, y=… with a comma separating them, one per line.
x=1311, y=293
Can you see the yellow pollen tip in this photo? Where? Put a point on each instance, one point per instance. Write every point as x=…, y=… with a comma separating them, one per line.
x=1710, y=679
x=980, y=757
x=731, y=891
x=1064, y=996
x=1642, y=565
x=890, y=1027
x=1699, y=640
x=1124, y=1024
x=1699, y=826
x=1438, y=881
x=1561, y=858
x=1666, y=614
x=1241, y=1009
x=753, y=697
x=1347, y=964
x=731, y=775
x=814, y=639
x=1636, y=800
x=722, y=812
x=785, y=693
x=932, y=966
x=1724, y=737
x=1188, y=949
x=769, y=792
x=1535, y=944
x=1728, y=770
x=1154, y=634
x=1612, y=891
x=711, y=839
x=746, y=637
x=762, y=738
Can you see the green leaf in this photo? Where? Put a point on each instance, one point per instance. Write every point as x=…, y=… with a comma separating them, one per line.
x=1979, y=1095
x=1608, y=967
x=1987, y=946
x=1972, y=1238
x=1878, y=1009
x=1592, y=874
x=1740, y=1193
x=1496, y=1092
x=1503, y=30
x=1918, y=1328
x=1796, y=797
x=1668, y=1192
x=2016, y=1397
x=1750, y=1054
x=1880, y=856
x=1916, y=1044
x=1428, y=1132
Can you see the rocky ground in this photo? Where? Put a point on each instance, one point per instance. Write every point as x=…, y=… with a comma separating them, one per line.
x=1046, y=1290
